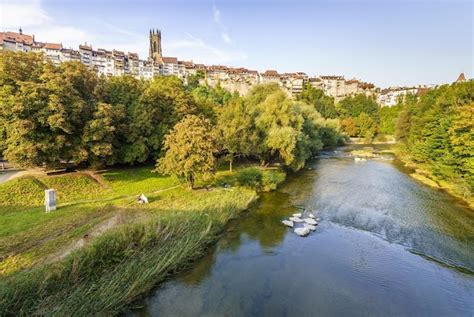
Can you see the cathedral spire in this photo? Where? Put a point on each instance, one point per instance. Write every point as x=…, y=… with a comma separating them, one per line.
x=155, y=52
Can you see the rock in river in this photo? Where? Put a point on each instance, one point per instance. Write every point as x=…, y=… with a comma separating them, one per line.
x=297, y=215
x=310, y=221
x=310, y=227
x=302, y=231
x=296, y=219
x=288, y=223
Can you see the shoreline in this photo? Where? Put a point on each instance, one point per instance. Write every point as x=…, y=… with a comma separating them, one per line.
x=146, y=251
x=425, y=177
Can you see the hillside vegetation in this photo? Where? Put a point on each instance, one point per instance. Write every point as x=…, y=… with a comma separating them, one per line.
x=436, y=135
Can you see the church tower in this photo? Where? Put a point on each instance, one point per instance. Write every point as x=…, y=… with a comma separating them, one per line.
x=155, y=46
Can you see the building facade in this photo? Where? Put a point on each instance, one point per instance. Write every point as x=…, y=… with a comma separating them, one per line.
x=235, y=79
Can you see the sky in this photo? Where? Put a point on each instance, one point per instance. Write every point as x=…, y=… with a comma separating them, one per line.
x=388, y=43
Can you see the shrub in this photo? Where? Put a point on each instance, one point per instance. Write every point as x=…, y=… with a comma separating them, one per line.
x=271, y=179
x=250, y=177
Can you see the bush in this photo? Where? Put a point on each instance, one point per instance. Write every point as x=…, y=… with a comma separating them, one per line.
x=250, y=177
x=271, y=179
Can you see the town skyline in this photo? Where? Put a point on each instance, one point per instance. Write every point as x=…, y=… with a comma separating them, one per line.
x=218, y=41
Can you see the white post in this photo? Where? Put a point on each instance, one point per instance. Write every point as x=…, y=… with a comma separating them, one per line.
x=50, y=199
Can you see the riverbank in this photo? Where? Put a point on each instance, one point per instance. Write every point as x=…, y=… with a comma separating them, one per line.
x=422, y=173
x=81, y=259
x=385, y=245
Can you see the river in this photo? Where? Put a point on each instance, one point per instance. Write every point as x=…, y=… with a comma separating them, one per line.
x=386, y=245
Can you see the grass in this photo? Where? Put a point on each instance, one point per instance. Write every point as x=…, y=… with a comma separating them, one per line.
x=44, y=274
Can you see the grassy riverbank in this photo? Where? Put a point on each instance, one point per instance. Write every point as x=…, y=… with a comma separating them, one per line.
x=100, y=250
x=422, y=173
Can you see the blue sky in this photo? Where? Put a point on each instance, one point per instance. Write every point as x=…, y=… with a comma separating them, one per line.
x=384, y=42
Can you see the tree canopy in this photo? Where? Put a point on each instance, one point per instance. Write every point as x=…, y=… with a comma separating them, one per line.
x=190, y=150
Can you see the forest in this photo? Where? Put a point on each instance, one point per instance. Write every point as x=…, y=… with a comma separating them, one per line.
x=436, y=132
x=53, y=116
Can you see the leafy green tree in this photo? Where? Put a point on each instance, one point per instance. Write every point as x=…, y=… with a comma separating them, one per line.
x=323, y=104
x=190, y=150
x=354, y=106
x=289, y=129
x=44, y=113
x=100, y=135
x=123, y=93
x=161, y=105
x=236, y=128
x=193, y=80
x=366, y=126
x=388, y=119
x=436, y=130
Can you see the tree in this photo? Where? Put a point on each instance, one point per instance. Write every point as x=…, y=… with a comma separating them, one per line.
x=289, y=130
x=354, y=106
x=436, y=130
x=123, y=94
x=190, y=147
x=349, y=127
x=162, y=104
x=100, y=135
x=388, y=118
x=321, y=102
x=366, y=126
x=237, y=133
x=193, y=80
x=44, y=113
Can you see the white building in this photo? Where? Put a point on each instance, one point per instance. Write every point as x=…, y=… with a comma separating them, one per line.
x=52, y=51
x=391, y=96
x=169, y=66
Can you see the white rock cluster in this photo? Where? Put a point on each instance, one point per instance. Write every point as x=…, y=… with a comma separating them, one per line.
x=307, y=219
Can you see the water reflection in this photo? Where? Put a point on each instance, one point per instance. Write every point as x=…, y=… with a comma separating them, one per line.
x=356, y=263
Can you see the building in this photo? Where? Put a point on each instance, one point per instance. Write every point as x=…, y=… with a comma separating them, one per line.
x=461, y=78
x=391, y=96
x=12, y=41
x=235, y=79
x=155, y=52
x=52, y=51
x=169, y=66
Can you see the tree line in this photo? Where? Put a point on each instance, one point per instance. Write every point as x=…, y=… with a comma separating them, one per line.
x=55, y=115
x=359, y=115
x=437, y=131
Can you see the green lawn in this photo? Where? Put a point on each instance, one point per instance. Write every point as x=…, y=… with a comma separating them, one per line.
x=144, y=244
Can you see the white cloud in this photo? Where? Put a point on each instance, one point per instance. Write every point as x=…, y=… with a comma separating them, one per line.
x=33, y=19
x=216, y=14
x=16, y=14
x=67, y=35
x=203, y=52
x=226, y=38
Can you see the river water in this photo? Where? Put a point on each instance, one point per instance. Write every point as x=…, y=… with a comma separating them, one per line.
x=386, y=245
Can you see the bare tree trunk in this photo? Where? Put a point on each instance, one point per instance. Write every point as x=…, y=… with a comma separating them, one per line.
x=230, y=164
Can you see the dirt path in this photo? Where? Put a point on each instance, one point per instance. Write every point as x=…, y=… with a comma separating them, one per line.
x=8, y=175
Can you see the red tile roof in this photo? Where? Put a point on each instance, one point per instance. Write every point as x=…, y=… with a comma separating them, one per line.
x=270, y=73
x=53, y=46
x=16, y=37
x=85, y=47
x=461, y=78
x=170, y=60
